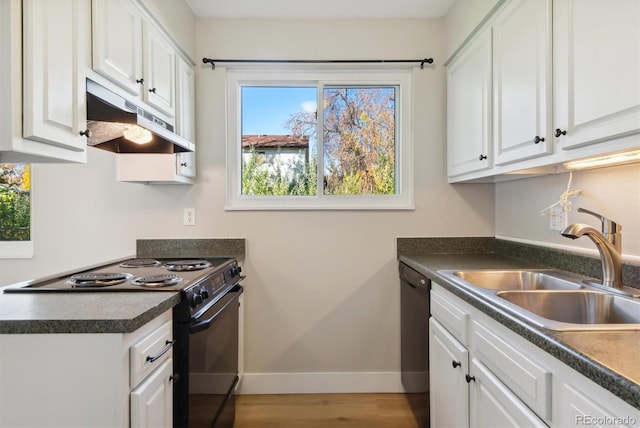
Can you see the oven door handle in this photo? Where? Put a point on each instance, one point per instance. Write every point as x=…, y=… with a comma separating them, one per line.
x=203, y=325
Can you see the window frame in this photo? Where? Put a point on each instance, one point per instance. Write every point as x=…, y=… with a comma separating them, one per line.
x=264, y=76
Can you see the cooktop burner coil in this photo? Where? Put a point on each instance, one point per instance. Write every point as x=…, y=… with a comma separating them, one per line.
x=163, y=280
x=98, y=279
x=132, y=263
x=186, y=265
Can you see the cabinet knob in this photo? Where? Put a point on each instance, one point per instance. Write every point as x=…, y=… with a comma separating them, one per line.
x=469, y=378
x=538, y=140
x=86, y=133
x=184, y=164
x=560, y=132
x=140, y=81
x=482, y=157
x=456, y=364
x=174, y=377
x=152, y=90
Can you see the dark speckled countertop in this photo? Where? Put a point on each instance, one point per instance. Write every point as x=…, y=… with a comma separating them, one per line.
x=107, y=312
x=608, y=358
x=104, y=312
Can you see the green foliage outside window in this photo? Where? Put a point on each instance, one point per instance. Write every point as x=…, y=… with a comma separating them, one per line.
x=15, y=202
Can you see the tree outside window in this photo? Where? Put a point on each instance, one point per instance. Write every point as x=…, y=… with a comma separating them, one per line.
x=15, y=202
x=358, y=141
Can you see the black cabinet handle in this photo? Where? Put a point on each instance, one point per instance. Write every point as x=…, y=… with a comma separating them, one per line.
x=152, y=90
x=482, y=157
x=140, y=81
x=456, y=364
x=469, y=378
x=169, y=344
x=86, y=133
x=560, y=132
x=538, y=140
x=183, y=164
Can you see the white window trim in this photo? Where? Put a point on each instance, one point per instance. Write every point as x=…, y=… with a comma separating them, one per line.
x=403, y=200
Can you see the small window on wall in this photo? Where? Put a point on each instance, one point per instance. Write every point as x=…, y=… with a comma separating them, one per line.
x=15, y=210
x=323, y=140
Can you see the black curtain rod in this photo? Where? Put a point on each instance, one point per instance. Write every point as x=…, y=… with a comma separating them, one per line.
x=314, y=61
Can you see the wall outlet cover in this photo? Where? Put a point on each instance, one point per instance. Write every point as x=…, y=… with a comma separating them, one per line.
x=189, y=216
x=557, y=218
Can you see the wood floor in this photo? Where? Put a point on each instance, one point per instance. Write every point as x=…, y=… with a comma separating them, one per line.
x=330, y=410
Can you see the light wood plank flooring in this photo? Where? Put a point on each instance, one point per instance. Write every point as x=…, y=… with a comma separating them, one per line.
x=329, y=410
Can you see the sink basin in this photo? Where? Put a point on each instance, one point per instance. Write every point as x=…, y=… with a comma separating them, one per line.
x=516, y=280
x=563, y=310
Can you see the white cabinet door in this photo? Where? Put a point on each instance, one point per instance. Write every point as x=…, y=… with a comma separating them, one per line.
x=56, y=43
x=160, y=62
x=448, y=389
x=469, y=108
x=152, y=401
x=493, y=405
x=522, y=81
x=596, y=70
x=117, y=43
x=185, y=100
x=185, y=115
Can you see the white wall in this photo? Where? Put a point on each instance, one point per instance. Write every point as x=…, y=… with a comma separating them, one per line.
x=322, y=293
x=613, y=192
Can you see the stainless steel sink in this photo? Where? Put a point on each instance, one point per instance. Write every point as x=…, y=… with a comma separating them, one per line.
x=596, y=309
x=516, y=280
x=550, y=298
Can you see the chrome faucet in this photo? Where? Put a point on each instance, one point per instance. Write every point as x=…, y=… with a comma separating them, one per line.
x=608, y=243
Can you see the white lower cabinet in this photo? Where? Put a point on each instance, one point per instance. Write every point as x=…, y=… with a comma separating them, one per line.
x=152, y=400
x=85, y=379
x=493, y=405
x=448, y=365
x=484, y=375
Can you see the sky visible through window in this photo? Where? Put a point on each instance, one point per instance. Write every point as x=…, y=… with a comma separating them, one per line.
x=266, y=109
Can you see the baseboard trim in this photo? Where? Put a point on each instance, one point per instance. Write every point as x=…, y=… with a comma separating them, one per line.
x=320, y=383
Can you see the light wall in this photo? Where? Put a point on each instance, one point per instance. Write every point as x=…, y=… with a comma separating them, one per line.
x=322, y=289
x=322, y=292
x=613, y=192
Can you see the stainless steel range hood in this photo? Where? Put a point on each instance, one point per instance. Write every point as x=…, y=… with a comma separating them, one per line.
x=110, y=117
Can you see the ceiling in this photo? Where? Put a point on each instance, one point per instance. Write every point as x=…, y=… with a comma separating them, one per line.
x=319, y=9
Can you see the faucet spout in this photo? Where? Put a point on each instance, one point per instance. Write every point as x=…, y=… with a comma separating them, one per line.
x=609, y=247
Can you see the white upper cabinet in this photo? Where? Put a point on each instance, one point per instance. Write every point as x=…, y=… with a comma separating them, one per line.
x=159, y=59
x=469, y=108
x=185, y=115
x=117, y=43
x=522, y=81
x=45, y=50
x=133, y=53
x=565, y=86
x=596, y=70
x=55, y=60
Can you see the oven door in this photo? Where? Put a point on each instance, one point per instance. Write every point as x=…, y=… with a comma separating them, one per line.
x=213, y=363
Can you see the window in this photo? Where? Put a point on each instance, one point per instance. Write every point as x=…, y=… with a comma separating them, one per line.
x=15, y=210
x=332, y=140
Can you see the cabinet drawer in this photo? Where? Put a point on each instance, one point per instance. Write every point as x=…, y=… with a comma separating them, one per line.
x=528, y=380
x=150, y=353
x=454, y=318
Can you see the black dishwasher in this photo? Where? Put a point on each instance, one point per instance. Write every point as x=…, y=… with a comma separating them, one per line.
x=414, y=340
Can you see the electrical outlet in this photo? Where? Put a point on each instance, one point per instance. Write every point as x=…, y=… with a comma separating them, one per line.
x=189, y=216
x=557, y=218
